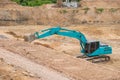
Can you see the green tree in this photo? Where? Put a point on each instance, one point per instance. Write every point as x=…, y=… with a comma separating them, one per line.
x=34, y=2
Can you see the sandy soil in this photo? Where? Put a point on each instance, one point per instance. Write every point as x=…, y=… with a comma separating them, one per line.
x=12, y=72
x=13, y=14
x=54, y=58
x=40, y=71
x=58, y=53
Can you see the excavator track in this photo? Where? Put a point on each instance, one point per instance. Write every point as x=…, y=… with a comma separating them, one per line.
x=96, y=59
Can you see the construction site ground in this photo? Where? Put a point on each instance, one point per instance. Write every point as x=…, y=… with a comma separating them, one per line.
x=54, y=57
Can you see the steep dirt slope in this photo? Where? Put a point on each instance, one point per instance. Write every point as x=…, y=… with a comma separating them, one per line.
x=14, y=14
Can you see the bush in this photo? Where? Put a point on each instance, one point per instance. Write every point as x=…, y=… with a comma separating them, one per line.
x=34, y=2
x=99, y=10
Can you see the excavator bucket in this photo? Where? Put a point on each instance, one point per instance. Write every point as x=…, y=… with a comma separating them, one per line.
x=29, y=38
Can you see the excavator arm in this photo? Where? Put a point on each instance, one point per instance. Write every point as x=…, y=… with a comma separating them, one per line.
x=63, y=32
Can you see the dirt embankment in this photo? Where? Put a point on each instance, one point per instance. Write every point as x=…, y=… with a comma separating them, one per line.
x=14, y=14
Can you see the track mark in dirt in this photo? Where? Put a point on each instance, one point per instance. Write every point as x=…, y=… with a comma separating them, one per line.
x=39, y=70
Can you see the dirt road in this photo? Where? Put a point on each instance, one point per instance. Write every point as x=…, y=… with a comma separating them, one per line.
x=32, y=67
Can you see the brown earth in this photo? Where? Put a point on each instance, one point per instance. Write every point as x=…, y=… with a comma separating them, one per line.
x=101, y=3
x=36, y=69
x=14, y=14
x=11, y=72
x=57, y=52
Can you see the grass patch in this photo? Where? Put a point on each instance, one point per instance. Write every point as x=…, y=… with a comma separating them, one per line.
x=99, y=10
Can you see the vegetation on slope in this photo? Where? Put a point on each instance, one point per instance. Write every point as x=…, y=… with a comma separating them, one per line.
x=34, y=2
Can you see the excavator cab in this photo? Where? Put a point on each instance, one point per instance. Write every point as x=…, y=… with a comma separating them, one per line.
x=90, y=47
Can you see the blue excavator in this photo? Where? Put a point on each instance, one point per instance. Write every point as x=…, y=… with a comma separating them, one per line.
x=91, y=50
